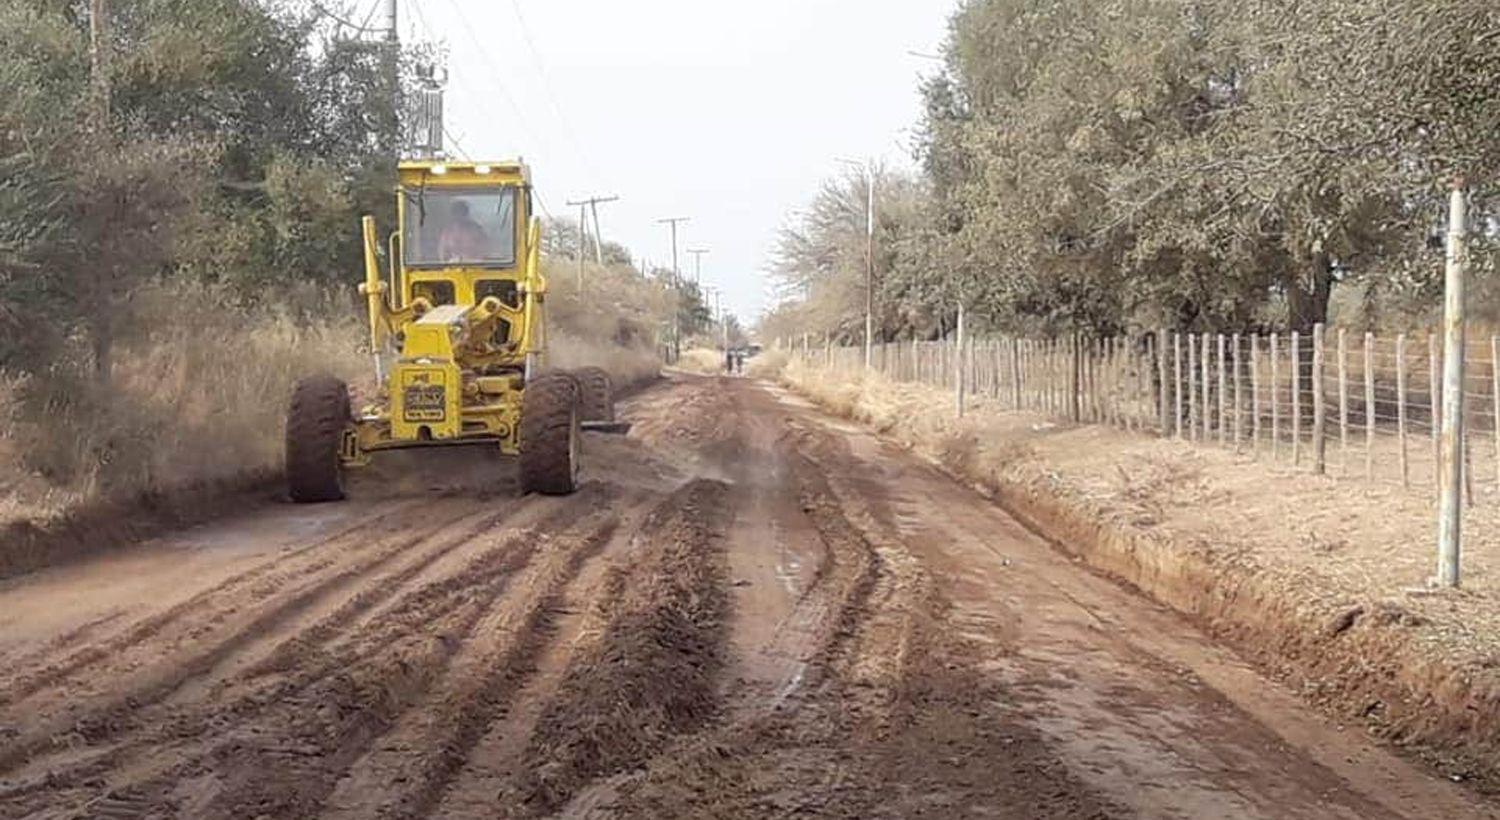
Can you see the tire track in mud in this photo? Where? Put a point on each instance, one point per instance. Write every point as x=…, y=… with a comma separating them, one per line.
x=284, y=750
x=203, y=606
x=409, y=772
x=892, y=719
x=123, y=711
x=651, y=673
x=160, y=755
x=497, y=757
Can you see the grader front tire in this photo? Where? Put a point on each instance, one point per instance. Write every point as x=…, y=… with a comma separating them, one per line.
x=550, y=435
x=315, y=424
x=596, y=395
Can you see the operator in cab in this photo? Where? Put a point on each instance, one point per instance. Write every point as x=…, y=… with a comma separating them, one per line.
x=462, y=239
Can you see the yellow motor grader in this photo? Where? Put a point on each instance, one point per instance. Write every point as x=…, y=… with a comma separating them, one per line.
x=458, y=332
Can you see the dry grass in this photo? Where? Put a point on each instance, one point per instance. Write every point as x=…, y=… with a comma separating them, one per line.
x=702, y=360
x=626, y=365
x=768, y=365
x=200, y=386
x=612, y=322
x=198, y=395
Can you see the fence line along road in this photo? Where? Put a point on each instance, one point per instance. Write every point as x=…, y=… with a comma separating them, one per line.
x=1348, y=404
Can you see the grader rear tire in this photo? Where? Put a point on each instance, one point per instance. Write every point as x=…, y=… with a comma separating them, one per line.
x=550, y=435
x=315, y=424
x=596, y=398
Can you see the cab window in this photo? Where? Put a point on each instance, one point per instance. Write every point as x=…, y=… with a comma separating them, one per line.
x=473, y=227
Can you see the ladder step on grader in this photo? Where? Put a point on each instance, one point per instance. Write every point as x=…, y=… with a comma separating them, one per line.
x=458, y=334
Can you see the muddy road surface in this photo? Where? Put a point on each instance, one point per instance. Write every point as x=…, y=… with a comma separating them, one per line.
x=750, y=610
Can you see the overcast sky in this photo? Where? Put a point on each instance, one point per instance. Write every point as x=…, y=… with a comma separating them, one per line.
x=727, y=112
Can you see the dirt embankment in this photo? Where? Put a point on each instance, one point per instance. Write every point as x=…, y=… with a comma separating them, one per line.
x=1295, y=572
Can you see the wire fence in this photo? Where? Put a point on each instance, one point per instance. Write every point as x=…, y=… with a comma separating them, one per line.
x=1333, y=401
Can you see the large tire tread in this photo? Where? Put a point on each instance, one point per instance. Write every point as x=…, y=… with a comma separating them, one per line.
x=596, y=400
x=549, y=434
x=315, y=423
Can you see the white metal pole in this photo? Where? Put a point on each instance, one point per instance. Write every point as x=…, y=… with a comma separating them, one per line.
x=958, y=362
x=1450, y=474
x=870, y=262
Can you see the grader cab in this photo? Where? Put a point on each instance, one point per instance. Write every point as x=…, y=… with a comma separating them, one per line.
x=458, y=334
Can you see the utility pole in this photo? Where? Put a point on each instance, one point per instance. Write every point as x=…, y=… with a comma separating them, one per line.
x=393, y=75
x=599, y=232
x=868, y=167
x=1451, y=462
x=583, y=232
x=592, y=205
x=697, y=264
x=869, y=265
x=676, y=288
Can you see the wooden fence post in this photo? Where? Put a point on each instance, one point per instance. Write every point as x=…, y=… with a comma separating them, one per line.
x=1105, y=350
x=1192, y=387
x=1239, y=400
x=1075, y=379
x=1255, y=393
x=1296, y=398
x=1163, y=407
x=1343, y=404
x=1164, y=395
x=1435, y=396
x=1370, y=406
x=1320, y=445
x=960, y=369
x=1015, y=374
x=1223, y=405
x=1177, y=380
x=1107, y=383
x=1275, y=400
x=1206, y=416
x=1401, y=407
x=1495, y=395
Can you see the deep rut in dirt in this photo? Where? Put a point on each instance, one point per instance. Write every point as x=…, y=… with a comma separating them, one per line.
x=40, y=670
x=891, y=719
x=174, y=666
x=361, y=672
x=652, y=672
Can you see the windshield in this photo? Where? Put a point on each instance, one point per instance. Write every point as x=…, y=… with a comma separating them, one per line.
x=468, y=226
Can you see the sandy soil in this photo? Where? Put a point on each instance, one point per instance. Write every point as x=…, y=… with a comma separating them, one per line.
x=750, y=610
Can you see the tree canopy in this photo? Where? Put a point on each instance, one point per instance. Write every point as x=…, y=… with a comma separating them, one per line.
x=1102, y=165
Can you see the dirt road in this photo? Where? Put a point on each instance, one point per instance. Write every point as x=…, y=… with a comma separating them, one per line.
x=750, y=610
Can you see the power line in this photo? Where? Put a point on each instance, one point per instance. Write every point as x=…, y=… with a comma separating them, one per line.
x=552, y=97
x=456, y=144
x=537, y=195
x=370, y=15
x=498, y=76
x=358, y=29
x=422, y=21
